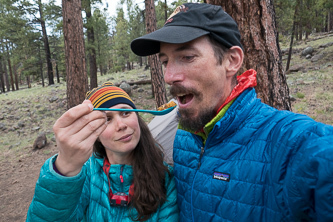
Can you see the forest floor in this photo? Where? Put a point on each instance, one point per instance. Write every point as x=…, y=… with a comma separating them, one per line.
x=26, y=113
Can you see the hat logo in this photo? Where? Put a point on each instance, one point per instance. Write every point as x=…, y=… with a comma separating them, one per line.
x=181, y=8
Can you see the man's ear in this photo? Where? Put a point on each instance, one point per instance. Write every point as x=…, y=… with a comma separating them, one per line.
x=235, y=59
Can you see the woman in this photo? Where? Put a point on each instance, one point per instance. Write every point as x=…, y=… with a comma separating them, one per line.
x=124, y=180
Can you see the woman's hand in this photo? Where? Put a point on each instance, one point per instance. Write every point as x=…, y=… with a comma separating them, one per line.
x=76, y=132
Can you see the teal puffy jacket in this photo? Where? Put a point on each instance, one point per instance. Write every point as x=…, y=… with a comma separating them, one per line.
x=85, y=196
x=258, y=164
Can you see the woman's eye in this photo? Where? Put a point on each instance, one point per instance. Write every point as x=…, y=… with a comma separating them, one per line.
x=126, y=113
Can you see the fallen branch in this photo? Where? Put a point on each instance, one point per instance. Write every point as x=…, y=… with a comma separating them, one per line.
x=139, y=82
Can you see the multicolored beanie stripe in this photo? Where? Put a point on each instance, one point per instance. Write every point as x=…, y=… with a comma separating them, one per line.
x=108, y=95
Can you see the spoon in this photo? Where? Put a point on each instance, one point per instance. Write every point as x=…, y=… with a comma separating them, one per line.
x=154, y=112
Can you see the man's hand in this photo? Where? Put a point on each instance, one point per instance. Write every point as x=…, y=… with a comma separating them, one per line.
x=76, y=132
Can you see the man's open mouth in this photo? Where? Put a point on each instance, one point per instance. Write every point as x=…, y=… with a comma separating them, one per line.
x=185, y=98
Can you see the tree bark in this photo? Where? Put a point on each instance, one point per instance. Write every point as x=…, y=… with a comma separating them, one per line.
x=329, y=20
x=10, y=69
x=165, y=10
x=28, y=81
x=77, y=81
x=91, y=48
x=290, y=47
x=41, y=72
x=292, y=38
x=41, y=66
x=5, y=70
x=256, y=21
x=46, y=45
x=16, y=77
x=2, y=76
x=57, y=72
x=158, y=84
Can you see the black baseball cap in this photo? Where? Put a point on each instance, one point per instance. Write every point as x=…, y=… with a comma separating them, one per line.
x=188, y=22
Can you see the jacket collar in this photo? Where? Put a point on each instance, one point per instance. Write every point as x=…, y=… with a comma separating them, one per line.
x=246, y=80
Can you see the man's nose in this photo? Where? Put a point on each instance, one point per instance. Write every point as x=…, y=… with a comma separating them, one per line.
x=173, y=74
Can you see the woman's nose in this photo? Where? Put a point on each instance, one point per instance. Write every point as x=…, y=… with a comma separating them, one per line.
x=120, y=124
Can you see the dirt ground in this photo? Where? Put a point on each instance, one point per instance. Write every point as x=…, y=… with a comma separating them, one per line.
x=311, y=89
x=17, y=181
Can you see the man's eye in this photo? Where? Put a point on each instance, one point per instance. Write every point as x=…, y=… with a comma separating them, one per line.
x=108, y=118
x=188, y=58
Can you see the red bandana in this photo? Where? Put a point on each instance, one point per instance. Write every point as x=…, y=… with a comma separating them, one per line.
x=246, y=80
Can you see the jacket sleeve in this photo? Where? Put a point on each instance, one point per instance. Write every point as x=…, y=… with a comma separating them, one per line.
x=57, y=197
x=309, y=180
x=169, y=210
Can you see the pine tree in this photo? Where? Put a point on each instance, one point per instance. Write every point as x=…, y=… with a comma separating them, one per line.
x=262, y=51
x=157, y=79
x=77, y=81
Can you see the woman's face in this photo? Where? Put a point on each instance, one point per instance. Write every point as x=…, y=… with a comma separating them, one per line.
x=122, y=134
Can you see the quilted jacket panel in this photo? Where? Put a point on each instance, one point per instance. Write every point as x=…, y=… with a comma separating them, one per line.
x=85, y=196
x=258, y=164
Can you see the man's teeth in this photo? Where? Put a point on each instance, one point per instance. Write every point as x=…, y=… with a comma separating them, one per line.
x=182, y=98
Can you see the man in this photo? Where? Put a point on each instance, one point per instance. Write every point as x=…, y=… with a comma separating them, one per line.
x=235, y=158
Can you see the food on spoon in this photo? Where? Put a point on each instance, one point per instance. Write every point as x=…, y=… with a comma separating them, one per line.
x=167, y=106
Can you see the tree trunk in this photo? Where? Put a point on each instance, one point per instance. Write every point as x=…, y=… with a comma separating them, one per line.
x=329, y=20
x=57, y=72
x=11, y=74
x=41, y=67
x=101, y=69
x=46, y=45
x=2, y=76
x=256, y=21
x=5, y=73
x=165, y=10
x=292, y=38
x=41, y=72
x=10, y=69
x=28, y=81
x=77, y=81
x=16, y=77
x=91, y=48
x=158, y=85
x=290, y=47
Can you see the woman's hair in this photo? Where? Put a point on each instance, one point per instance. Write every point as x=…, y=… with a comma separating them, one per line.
x=148, y=173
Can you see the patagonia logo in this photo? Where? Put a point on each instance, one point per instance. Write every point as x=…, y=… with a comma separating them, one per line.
x=221, y=176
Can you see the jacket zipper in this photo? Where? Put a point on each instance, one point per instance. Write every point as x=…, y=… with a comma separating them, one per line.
x=199, y=164
x=201, y=154
x=121, y=177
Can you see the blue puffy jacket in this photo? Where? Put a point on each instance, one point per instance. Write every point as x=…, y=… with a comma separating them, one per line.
x=85, y=196
x=257, y=164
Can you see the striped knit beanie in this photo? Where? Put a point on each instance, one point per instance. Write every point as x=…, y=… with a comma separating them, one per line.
x=108, y=95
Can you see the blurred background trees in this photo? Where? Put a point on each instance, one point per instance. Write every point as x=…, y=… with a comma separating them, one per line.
x=32, y=43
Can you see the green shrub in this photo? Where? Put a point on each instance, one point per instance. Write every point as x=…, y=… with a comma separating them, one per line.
x=300, y=95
